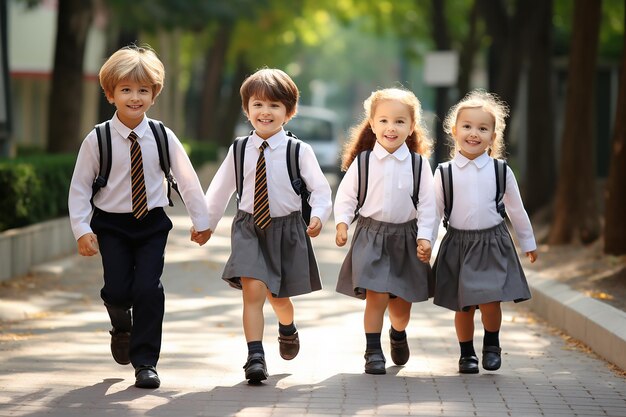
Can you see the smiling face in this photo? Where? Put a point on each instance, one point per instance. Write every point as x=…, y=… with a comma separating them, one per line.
x=132, y=100
x=267, y=116
x=392, y=124
x=474, y=131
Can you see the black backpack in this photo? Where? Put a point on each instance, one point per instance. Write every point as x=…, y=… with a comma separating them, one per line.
x=103, y=132
x=446, y=181
x=293, y=167
x=363, y=165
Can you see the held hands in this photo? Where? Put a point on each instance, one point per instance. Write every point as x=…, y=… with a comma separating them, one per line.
x=342, y=234
x=315, y=227
x=532, y=256
x=424, y=250
x=200, y=237
x=87, y=244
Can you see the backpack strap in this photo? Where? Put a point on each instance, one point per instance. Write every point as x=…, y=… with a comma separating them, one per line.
x=416, y=165
x=239, y=153
x=363, y=171
x=500, y=168
x=293, y=163
x=293, y=168
x=446, y=182
x=103, y=132
x=160, y=135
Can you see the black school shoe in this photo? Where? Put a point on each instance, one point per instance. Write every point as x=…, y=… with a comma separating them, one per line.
x=255, y=368
x=468, y=364
x=146, y=377
x=120, y=346
x=492, y=358
x=399, y=350
x=375, y=362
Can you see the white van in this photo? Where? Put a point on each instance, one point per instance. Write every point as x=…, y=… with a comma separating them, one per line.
x=319, y=127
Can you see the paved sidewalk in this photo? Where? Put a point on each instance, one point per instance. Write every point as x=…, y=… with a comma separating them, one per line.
x=57, y=361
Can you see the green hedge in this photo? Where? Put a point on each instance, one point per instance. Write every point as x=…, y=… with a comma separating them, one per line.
x=35, y=188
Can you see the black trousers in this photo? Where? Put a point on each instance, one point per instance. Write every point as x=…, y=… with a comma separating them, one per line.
x=132, y=257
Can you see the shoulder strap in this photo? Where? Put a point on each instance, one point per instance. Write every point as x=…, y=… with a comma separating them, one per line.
x=416, y=165
x=160, y=136
x=239, y=147
x=103, y=132
x=293, y=163
x=500, y=168
x=363, y=166
x=446, y=182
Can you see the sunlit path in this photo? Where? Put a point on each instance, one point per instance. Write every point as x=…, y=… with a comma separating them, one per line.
x=58, y=363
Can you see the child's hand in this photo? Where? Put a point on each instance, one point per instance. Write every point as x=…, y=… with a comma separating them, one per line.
x=88, y=244
x=532, y=255
x=342, y=234
x=315, y=227
x=200, y=237
x=424, y=250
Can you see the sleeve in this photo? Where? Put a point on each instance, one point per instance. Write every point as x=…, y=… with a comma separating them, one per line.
x=188, y=183
x=426, y=208
x=346, y=198
x=439, y=203
x=221, y=189
x=79, y=199
x=317, y=184
x=517, y=214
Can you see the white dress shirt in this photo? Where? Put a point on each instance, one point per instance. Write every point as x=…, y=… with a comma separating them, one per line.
x=389, y=191
x=473, y=199
x=282, y=198
x=115, y=197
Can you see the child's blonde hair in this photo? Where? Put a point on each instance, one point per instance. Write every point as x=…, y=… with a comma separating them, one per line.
x=134, y=63
x=488, y=102
x=362, y=137
x=270, y=84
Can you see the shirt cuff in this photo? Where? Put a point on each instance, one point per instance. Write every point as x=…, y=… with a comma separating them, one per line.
x=528, y=245
x=425, y=233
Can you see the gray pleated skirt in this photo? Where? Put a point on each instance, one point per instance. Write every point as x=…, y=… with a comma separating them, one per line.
x=477, y=267
x=281, y=255
x=383, y=258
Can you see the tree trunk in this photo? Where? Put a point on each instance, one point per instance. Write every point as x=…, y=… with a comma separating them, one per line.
x=507, y=52
x=615, y=221
x=442, y=43
x=66, y=93
x=214, y=67
x=232, y=110
x=468, y=52
x=576, y=212
x=540, y=172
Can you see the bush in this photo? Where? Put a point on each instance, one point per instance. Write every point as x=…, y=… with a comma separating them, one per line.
x=34, y=189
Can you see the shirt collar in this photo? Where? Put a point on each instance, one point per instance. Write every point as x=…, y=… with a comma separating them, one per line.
x=400, y=154
x=273, y=141
x=124, y=130
x=479, y=161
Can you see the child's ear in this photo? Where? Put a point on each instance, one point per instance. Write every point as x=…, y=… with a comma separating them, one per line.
x=453, y=130
x=109, y=97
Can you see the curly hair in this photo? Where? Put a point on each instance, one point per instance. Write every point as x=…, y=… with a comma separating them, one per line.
x=490, y=103
x=362, y=137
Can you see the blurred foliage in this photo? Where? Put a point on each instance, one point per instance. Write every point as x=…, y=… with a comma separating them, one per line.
x=34, y=189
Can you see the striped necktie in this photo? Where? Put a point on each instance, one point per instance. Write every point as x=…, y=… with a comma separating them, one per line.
x=138, y=184
x=261, y=202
